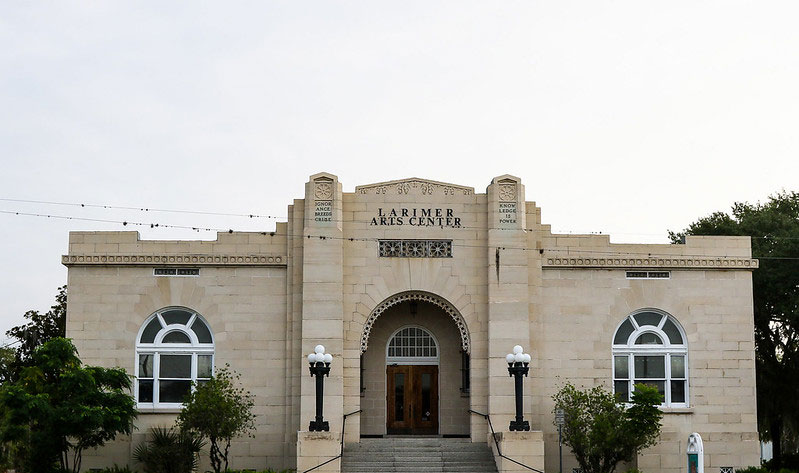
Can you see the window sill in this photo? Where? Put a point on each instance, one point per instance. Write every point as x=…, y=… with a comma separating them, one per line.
x=677, y=410
x=159, y=410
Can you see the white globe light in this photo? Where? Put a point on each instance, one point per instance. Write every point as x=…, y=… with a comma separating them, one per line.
x=312, y=358
x=527, y=358
x=519, y=357
x=517, y=349
x=510, y=358
x=320, y=357
x=319, y=349
x=328, y=358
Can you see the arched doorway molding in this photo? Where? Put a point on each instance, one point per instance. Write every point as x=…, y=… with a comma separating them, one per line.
x=423, y=296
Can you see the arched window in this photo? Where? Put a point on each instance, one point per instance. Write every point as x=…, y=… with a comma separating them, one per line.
x=649, y=348
x=412, y=345
x=174, y=348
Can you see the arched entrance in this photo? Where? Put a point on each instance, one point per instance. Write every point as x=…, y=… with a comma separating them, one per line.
x=415, y=368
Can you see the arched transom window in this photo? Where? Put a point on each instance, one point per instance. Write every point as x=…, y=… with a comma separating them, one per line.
x=174, y=348
x=412, y=345
x=649, y=348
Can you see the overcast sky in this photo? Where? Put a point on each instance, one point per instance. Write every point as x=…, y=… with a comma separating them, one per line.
x=626, y=117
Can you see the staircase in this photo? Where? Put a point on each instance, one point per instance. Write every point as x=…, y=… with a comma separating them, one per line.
x=417, y=455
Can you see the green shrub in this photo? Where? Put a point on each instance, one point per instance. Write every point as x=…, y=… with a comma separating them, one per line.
x=168, y=451
x=763, y=469
x=752, y=469
x=113, y=469
x=790, y=461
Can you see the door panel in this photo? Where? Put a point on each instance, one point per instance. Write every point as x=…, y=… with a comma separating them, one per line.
x=398, y=396
x=412, y=399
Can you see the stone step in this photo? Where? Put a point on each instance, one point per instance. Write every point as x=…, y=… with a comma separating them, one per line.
x=469, y=456
x=417, y=454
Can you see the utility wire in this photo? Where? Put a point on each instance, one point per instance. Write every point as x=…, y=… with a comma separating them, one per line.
x=141, y=209
x=253, y=215
x=567, y=250
x=11, y=344
x=122, y=222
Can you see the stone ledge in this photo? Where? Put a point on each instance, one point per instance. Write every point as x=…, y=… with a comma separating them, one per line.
x=711, y=262
x=173, y=260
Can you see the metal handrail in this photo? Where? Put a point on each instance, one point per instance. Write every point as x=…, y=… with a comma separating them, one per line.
x=341, y=451
x=496, y=442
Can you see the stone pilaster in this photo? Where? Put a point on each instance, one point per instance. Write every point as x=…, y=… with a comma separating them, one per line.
x=322, y=309
x=508, y=294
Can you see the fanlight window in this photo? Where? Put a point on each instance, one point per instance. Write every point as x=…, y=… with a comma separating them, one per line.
x=175, y=348
x=412, y=344
x=649, y=348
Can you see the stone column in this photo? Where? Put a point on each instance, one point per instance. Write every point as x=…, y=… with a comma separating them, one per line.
x=508, y=295
x=322, y=308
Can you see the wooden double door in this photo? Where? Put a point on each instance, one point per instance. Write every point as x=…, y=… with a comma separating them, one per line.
x=412, y=399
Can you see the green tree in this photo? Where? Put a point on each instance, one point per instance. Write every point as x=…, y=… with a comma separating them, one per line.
x=57, y=408
x=219, y=411
x=774, y=228
x=8, y=357
x=601, y=431
x=40, y=329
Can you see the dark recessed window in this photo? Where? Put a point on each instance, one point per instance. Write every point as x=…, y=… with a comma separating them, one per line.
x=648, y=275
x=176, y=271
x=415, y=248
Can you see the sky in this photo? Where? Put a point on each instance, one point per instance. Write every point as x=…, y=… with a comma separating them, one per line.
x=624, y=117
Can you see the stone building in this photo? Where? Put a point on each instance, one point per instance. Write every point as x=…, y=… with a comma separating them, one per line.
x=419, y=289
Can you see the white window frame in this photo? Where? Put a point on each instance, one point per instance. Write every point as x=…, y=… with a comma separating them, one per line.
x=667, y=350
x=413, y=360
x=158, y=348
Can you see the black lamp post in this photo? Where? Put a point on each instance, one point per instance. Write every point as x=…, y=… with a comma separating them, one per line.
x=320, y=367
x=518, y=362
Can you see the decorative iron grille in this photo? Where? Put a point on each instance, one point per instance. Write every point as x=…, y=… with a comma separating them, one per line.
x=416, y=248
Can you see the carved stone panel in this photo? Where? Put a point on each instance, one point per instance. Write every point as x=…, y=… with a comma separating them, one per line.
x=414, y=186
x=507, y=192
x=323, y=190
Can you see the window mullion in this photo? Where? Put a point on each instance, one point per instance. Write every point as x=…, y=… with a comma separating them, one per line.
x=667, y=382
x=631, y=373
x=193, y=367
x=156, y=376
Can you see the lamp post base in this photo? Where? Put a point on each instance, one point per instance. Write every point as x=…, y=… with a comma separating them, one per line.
x=319, y=426
x=519, y=426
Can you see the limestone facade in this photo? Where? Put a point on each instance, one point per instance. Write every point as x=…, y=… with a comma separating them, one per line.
x=478, y=272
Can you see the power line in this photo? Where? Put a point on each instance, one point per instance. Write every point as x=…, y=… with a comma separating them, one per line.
x=120, y=222
x=576, y=251
x=140, y=209
x=253, y=215
x=11, y=344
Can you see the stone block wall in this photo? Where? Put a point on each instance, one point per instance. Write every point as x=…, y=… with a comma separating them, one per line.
x=244, y=306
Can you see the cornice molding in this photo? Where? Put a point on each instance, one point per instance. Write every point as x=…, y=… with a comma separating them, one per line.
x=172, y=260
x=709, y=262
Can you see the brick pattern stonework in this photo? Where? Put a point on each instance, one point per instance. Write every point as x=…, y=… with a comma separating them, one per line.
x=506, y=279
